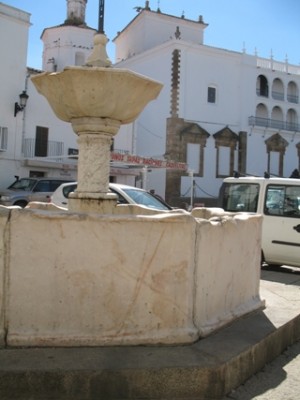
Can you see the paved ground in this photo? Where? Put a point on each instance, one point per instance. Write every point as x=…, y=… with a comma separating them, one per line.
x=206, y=370
x=278, y=380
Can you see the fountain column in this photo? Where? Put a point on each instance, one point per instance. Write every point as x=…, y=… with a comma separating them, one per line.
x=94, y=142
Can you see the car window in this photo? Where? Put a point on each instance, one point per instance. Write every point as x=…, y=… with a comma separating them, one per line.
x=25, y=184
x=68, y=189
x=42, y=186
x=282, y=200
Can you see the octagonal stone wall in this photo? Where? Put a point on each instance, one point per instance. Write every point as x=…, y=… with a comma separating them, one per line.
x=71, y=279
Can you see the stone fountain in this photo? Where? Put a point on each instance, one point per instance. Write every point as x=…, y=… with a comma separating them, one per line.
x=106, y=278
x=96, y=99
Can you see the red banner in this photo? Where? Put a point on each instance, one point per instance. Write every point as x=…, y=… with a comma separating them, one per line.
x=147, y=161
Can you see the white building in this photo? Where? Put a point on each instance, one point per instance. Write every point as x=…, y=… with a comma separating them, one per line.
x=34, y=142
x=14, y=25
x=219, y=111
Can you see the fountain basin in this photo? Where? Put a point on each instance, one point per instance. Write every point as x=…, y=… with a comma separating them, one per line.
x=113, y=93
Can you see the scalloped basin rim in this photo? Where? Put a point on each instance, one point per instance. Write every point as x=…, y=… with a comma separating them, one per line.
x=97, y=92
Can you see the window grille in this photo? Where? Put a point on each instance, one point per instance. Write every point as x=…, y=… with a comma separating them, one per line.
x=211, y=95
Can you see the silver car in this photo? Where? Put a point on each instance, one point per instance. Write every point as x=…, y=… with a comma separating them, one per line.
x=24, y=190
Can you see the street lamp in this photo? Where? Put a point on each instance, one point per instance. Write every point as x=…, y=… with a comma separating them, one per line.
x=23, y=100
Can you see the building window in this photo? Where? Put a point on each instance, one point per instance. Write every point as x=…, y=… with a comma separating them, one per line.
x=211, y=94
x=274, y=163
x=226, y=142
x=262, y=87
x=3, y=138
x=79, y=59
x=41, y=142
x=224, y=161
x=276, y=147
x=193, y=157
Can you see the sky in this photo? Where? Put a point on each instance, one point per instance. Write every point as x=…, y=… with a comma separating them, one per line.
x=264, y=27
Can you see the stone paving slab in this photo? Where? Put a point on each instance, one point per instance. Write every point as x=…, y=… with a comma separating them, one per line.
x=206, y=370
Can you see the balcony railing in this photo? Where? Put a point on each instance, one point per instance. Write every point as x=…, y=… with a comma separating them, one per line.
x=277, y=95
x=292, y=98
x=273, y=123
x=277, y=66
x=262, y=92
x=51, y=149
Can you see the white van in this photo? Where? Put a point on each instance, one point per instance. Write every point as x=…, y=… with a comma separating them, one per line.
x=278, y=200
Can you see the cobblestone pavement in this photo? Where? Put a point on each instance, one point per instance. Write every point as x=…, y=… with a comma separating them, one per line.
x=279, y=380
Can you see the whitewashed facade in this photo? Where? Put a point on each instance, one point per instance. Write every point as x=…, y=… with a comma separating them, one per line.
x=248, y=106
x=14, y=25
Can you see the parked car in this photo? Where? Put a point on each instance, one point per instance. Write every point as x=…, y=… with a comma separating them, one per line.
x=126, y=195
x=24, y=190
x=278, y=200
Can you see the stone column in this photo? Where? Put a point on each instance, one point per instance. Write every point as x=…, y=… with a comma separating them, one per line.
x=94, y=141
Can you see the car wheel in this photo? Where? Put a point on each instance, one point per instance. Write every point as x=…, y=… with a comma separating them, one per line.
x=21, y=203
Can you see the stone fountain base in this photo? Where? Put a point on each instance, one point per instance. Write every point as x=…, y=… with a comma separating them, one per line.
x=77, y=279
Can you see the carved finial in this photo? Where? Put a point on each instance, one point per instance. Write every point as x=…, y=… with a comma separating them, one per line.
x=177, y=33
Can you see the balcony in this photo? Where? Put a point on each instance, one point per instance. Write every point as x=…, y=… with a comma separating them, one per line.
x=262, y=92
x=277, y=95
x=50, y=149
x=292, y=98
x=273, y=123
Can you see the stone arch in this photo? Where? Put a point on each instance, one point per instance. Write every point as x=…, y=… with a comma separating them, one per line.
x=277, y=118
x=291, y=120
x=262, y=115
x=262, y=86
x=277, y=89
x=292, y=92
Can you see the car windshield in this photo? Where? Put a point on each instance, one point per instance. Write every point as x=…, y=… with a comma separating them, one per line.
x=240, y=197
x=145, y=199
x=25, y=184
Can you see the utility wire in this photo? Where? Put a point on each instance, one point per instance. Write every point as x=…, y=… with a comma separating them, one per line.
x=147, y=130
